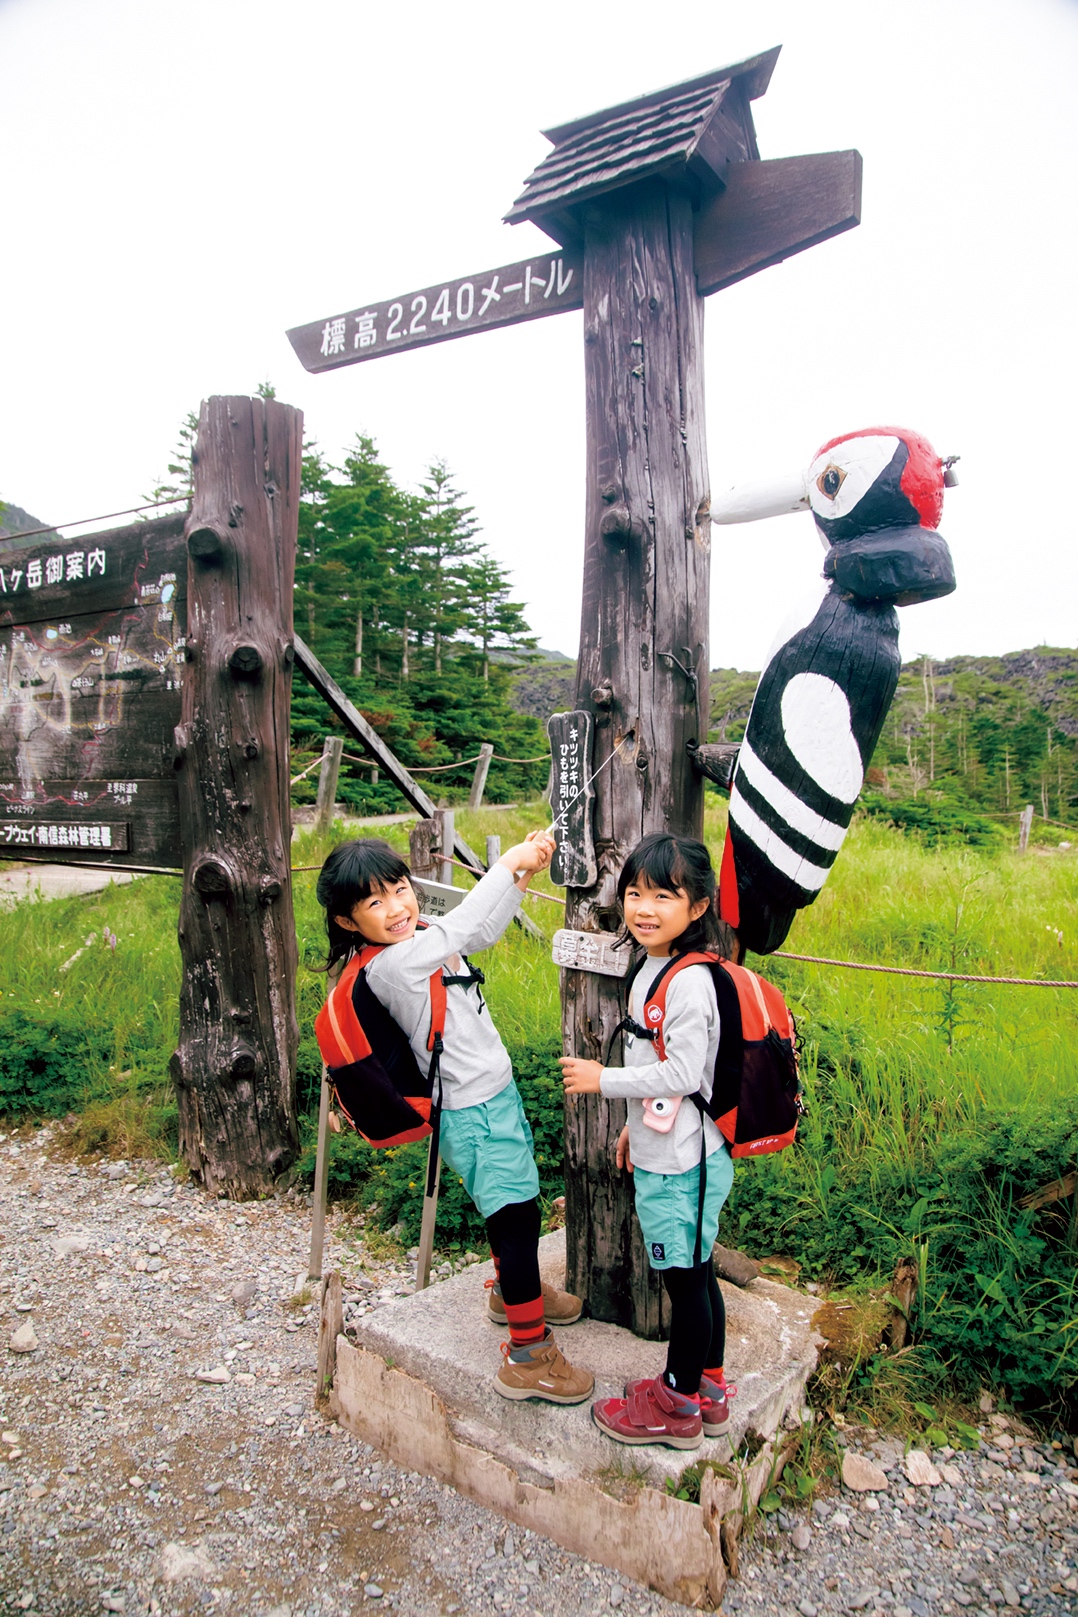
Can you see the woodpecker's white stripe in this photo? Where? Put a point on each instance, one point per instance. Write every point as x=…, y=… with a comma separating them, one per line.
x=825, y=833
x=782, y=856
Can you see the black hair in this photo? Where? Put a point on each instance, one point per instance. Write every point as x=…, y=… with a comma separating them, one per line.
x=681, y=865
x=348, y=876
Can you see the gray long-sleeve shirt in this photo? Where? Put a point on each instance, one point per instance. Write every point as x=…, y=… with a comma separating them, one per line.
x=475, y=1064
x=691, y=1037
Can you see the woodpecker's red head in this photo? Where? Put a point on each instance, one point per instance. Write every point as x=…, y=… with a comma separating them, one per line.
x=881, y=477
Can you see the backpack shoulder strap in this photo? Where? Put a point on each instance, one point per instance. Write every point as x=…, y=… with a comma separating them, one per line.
x=340, y=1034
x=655, y=1006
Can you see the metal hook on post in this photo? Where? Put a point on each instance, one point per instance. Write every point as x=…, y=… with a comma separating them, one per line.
x=689, y=673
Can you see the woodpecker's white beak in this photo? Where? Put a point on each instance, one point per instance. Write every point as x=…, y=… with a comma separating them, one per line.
x=770, y=497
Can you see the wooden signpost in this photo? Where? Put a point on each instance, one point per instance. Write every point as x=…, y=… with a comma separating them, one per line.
x=92, y=635
x=655, y=203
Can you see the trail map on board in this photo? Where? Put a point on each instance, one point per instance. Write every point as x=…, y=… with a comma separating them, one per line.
x=92, y=635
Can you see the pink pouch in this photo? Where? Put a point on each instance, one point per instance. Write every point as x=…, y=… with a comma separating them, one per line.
x=659, y=1114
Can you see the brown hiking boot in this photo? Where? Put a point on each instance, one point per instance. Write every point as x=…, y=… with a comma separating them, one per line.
x=545, y=1373
x=559, y=1307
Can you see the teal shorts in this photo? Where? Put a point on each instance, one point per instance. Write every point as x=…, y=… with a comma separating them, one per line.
x=667, y=1205
x=490, y=1147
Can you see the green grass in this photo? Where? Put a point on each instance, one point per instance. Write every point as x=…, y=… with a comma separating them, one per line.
x=932, y=1107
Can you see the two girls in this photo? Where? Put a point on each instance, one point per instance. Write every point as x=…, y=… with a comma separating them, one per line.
x=667, y=892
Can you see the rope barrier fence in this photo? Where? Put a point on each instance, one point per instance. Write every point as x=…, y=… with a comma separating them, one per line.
x=81, y=522
x=548, y=898
x=910, y=971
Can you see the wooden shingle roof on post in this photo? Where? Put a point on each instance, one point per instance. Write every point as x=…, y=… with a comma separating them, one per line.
x=687, y=134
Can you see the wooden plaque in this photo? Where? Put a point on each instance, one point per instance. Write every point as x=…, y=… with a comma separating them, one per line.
x=92, y=635
x=547, y=284
x=436, y=897
x=571, y=798
x=590, y=951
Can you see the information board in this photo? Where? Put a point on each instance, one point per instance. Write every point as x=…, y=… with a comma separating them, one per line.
x=92, y=635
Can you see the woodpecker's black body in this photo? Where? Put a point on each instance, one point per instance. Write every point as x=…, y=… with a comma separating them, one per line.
x=825, y=693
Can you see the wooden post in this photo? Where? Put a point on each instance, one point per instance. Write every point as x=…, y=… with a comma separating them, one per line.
x=494, y=850
x=426, y=1228
x=1025, y=824
x=446, y=838
x=479, y=779
x=234, y=1067
x=321, y=1179
x=643, y=663
x=421, y=845
x=330, y=1325
x=326, y=800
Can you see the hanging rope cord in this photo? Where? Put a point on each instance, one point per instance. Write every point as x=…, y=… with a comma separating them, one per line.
x=106, y=516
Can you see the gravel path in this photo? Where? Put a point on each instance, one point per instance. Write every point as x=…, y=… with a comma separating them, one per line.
x=129, y=1485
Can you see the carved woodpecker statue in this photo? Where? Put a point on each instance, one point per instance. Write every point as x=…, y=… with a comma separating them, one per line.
x=876, y=497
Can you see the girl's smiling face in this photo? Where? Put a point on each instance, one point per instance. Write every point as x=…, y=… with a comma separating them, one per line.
x=387, y=915
x=657, y=916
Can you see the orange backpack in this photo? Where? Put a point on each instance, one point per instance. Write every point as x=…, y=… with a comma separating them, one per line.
x=756, y=1092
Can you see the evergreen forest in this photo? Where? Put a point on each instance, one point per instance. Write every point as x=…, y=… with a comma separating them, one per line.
x=402, y=601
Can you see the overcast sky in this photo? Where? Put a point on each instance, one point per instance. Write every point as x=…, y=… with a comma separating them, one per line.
x=183, y=181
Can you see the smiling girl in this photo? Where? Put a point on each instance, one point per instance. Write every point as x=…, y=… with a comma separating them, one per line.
x=666, y=892
x=368, y=897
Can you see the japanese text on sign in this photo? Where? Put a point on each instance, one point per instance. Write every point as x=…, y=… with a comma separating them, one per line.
x=41, y=834
x=57, y=569
x=571, y=798
x=495, y=298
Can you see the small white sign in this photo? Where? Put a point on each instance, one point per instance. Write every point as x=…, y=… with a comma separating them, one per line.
x=591, y=951
x=435, y=897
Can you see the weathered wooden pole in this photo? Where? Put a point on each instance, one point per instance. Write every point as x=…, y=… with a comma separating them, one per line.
x=643, y=658
x=479, y=779
x=235, y=1063
x=328, y=775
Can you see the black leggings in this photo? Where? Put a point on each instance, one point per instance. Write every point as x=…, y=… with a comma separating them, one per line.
x=697, y=1325
x=513, y=1232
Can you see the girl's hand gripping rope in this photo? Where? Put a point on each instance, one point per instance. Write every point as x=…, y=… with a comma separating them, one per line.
x=529, y=856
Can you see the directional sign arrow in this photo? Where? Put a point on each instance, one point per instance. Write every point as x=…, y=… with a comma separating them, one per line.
x=769, y=211
x=501, y=297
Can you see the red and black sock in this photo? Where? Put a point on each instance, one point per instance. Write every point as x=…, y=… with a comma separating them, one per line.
x=526, y=1323
x=514, y=1243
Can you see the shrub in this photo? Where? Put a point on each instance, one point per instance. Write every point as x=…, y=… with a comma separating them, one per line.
x=43, y=1062
x=998, y=1299
x=935, y=823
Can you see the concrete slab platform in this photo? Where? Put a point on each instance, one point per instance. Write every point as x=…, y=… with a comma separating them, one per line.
x=418, y=1383
x=442, y=1337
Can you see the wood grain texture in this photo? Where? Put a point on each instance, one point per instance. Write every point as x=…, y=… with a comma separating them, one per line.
x=643, y=331
x=770, y=211
x=235, y=1063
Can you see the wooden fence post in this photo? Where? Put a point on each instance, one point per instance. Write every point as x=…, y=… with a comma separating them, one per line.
x=326, y=801
x=1025, y=824
x=443, y=819
x=421, y=838
x=479, y=779
x=234, y=1067
x=494, y=850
